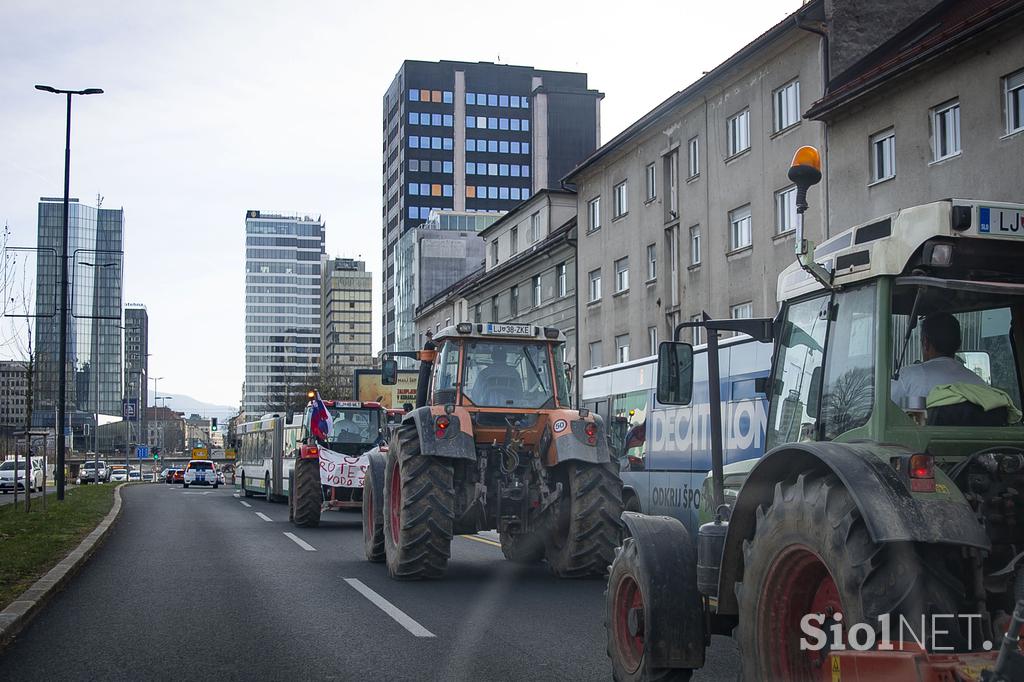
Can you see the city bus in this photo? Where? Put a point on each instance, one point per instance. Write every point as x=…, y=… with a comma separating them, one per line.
x=265, y=455
x=665, y=451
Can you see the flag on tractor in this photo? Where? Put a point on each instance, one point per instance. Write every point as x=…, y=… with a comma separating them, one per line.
x=320, y=422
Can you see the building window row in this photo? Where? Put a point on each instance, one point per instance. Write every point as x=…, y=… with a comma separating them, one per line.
x=500, y=169
x=498, y=123
x=424, y=142
x=480, y=99
x=423, y=212
x=482, y=192
x=430, y=166
x=435, y=96
x=425, y=119
x=425, y=189
x=497, y=146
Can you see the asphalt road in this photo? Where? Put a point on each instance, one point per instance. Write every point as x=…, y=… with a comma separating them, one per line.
x=199, y=584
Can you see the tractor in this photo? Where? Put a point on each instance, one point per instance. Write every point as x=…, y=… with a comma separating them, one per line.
x=880, y=536
x=493, y=443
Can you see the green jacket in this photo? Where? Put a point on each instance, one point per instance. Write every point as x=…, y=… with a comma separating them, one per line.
x=984, y=396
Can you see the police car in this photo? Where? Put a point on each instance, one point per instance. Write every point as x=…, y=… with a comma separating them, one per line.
x=200, y=472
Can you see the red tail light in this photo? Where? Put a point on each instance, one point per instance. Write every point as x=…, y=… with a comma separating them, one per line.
x=591, y=430
x=441, y=425
x=309, y=452
x=922, y=473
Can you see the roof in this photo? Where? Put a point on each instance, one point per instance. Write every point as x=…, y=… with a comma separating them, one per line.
x=948, y=25
x=648, y=120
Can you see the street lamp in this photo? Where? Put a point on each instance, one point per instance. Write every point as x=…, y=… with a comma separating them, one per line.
x=62, y=353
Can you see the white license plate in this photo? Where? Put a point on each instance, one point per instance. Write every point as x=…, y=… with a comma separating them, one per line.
x=510, y=329
x=1000, y=222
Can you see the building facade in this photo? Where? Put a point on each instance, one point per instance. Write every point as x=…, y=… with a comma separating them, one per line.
x=689, y=209
x=95, y=273
x=346, y=343
x=13, y=394
x=136, y=359
x=282, y=306
x=529, y=275
x=474, y=137
x=165, y=429
x=936, y=111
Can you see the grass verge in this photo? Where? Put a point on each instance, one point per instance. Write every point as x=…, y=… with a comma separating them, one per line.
x=31, y=544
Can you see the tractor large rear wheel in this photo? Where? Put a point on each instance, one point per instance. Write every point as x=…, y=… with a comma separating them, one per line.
x=587, y=527
x=811, y=554
x=522, y=548
x=419, y=504
x=307, y=497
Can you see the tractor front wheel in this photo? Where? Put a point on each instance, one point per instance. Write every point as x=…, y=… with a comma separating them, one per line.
x=419, y=504
x=307, y=496
x=581, y=541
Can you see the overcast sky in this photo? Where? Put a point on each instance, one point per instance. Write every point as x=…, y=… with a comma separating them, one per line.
x=215, y=107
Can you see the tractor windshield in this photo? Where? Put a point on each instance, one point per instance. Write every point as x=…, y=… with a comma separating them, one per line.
x=510, y=374
x=354, y=426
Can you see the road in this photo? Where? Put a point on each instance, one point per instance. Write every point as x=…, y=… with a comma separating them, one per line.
x=203, y=584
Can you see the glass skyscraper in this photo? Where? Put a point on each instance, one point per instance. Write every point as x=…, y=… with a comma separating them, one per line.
x=95, y=274
x=283, y=254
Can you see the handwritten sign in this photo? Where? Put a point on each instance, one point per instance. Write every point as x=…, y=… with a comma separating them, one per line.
x=342, y=471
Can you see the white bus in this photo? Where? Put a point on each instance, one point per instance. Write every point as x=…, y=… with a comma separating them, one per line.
x=265, y=455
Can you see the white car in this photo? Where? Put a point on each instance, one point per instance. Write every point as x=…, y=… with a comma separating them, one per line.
x=135, y=476
x=87, y=473
x=200, y=472
x=118, y=475
x=34, y=476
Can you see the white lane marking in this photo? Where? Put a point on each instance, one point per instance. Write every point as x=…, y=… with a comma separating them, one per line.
x=264, y=516
x=387, y=607
x=236, y=495
x=300, y=542
x=206, y=493
x=245, y=503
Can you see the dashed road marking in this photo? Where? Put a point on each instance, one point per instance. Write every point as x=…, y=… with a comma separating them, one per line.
x=264, y=516
x=245, y=503
x=485, y=541
x=300, y=542
x=387, y=607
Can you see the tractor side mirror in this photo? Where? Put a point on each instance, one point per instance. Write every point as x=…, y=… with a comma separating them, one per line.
x=568, y=376
x=675, y=373
x=389, y=372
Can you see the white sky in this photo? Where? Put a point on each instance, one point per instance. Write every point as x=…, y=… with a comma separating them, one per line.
x=215, y=107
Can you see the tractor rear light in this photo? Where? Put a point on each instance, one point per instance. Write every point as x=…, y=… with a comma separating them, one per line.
x=309, y=452
x=441, y=425
x=922, y=473
x=591, y=430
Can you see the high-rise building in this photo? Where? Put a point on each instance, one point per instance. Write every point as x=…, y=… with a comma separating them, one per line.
x=283, y=255
x=475, y=137
x=347, y=319
x=95, y=274
x=136, y=359
x=13, y=394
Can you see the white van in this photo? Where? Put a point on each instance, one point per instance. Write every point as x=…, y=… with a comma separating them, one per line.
x=34, y=476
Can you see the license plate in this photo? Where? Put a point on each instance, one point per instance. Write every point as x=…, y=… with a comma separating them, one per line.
x=1001, y=222
x=509, y=329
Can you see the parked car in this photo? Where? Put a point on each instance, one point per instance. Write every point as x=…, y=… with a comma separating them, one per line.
x=33, y=475
x=178, y=476
x=91, y=472
x=134, y=475
x=200, y=472
x=220, y=477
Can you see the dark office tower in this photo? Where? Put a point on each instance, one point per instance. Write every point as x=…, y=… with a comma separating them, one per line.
x=136, y=358
x=475, y=137
x=95, y=275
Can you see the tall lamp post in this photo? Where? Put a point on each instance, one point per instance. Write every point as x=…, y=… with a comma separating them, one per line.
x=62, y=353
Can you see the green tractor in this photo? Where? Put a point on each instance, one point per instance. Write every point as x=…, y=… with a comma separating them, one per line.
x=881, y=535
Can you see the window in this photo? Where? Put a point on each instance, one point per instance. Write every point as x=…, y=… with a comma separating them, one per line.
x=494, y=252
x=514, y=300
x=739, y=228
x=1013, y=87
x=692, y=158
x=595, y=285
x=563, y=279
x=651, y=182
x=535, y=227
x=622, y=348
x=946, y=130
x=785, y=210
x=671, y=186
x=595, y=354
x=537, y=292
x=477, y=313
x=494, y=308
x=622, y=274
x=513, y=238
x=652, y=262
x=695, y=245
x=594, y=214
x=786, y=106
x=848, y=390
x=672, y=239
x=695, y=335
x=742, y=311
x=737, y=130
x=652, y=340
x=620, y=205
x=883, y=155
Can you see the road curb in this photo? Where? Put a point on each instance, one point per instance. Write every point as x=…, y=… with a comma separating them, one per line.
x=22, y=610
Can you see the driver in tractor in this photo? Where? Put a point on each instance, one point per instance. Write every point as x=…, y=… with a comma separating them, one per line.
x=499, y=382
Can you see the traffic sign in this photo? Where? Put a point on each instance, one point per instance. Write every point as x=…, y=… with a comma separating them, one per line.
x=130, y=409
x=142, y=452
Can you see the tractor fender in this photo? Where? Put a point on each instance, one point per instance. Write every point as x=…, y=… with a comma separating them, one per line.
x=890, y=512
x=457, y=444
x=570, y=441
x=668, y=579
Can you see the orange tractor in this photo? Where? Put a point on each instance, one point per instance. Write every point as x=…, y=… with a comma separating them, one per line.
x=493, y=443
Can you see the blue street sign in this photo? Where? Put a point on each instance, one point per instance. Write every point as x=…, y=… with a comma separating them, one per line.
x=130, y=409
x=142, y=452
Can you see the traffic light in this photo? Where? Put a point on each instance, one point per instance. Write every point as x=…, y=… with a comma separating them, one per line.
x=156, y=453
x=213, y=423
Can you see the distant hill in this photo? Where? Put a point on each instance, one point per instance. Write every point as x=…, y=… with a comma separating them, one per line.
x=189, y=405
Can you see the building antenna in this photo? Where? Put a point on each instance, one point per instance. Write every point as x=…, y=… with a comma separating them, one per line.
x=99, y=200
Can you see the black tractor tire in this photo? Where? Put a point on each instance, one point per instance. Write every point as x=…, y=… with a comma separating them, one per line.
x=373, y=509
x=523, y=548
x=581, y=541
x=245, y=491
x=813, y=533
x=629, y=659
x=419, y=504
x=308, y=495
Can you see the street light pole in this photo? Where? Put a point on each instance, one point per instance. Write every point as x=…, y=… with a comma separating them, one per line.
x=62, y=353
